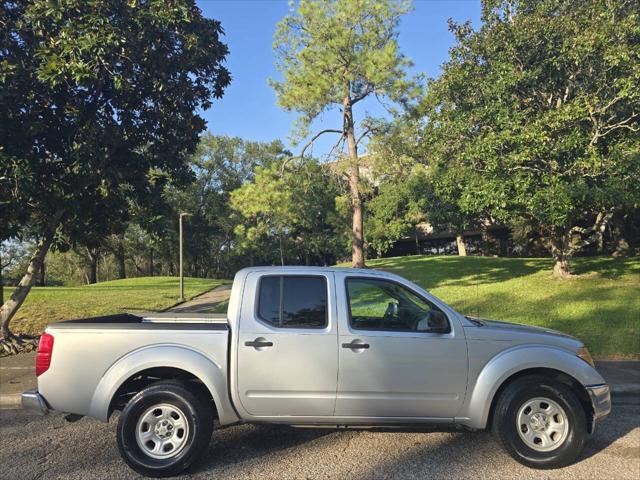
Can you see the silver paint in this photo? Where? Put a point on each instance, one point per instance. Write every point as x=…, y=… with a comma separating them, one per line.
x=306, y=377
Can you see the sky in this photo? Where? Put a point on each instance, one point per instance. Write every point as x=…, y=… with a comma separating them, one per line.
x=249, y=107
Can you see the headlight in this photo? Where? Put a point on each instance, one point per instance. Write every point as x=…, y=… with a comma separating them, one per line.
x=584, y=354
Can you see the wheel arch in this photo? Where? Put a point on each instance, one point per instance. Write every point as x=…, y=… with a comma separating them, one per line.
x=557, y=375
x=144, y=378
x=516, y=362
x=161, y=362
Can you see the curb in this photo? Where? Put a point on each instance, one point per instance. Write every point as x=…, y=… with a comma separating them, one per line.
x=11, y=402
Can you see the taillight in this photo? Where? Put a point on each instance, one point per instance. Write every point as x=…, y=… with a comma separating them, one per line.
x=43, y=357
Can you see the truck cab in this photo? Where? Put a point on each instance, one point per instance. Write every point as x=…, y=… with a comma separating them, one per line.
x=359, y=346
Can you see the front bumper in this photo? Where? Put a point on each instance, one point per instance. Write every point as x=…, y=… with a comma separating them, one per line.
x=33, y=402
x=600, y=401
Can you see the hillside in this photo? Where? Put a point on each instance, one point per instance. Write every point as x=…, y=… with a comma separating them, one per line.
x=601, y=306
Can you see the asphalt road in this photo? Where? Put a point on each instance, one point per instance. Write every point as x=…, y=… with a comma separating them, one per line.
x=48, y=447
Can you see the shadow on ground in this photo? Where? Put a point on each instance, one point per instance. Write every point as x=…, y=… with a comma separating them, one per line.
x=50, y=448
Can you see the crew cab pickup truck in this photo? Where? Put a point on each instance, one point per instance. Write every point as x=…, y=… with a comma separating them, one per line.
x=324, y=347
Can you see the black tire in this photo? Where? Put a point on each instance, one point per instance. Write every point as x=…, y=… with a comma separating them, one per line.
x=199, y=418
x=505, y=424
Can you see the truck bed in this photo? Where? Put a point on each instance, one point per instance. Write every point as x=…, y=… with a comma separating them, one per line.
x=94, y=354
x=147, y=317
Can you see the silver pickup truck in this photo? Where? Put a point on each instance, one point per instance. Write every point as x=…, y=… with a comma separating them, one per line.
x=325, y=347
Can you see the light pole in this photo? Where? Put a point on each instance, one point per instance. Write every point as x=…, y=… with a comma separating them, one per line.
x=181, y=259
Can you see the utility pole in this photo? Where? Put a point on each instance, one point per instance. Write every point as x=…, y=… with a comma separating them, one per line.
x=181, y=257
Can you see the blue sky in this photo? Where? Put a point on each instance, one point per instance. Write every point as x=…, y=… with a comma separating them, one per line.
x=249, y=109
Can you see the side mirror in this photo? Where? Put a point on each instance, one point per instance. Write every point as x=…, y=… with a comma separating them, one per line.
x=392, y=310
x=438, y=322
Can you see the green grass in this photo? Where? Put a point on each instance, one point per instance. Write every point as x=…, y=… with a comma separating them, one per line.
x=46, y=305
x=600, y=306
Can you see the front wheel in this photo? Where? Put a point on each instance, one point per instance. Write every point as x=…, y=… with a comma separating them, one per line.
x=163, y=430
x=540, y=422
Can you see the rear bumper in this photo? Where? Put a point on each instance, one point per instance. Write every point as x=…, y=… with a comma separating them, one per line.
x=600, y=401
x=33, y=402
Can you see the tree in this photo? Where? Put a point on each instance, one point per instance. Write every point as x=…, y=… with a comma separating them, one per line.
x=334, y=54
x=395, y=210
x=536, y=116
x=99, y=106
x=422, y=191
x=293, y=210
x=221, y=165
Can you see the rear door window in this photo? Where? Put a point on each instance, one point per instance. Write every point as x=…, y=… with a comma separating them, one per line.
x=293, y=301
x=269, y=302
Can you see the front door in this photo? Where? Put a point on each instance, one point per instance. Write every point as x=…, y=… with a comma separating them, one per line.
x=287, y=351
x=399, y=354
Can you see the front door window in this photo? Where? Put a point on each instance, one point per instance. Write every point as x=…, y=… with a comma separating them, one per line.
x=383, y=305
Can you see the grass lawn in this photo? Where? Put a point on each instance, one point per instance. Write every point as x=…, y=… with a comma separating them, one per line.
x=601, y=306
x=46, y=305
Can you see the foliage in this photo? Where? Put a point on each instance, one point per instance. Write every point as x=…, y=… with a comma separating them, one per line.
x=99, y=102
x=536, y=117
x=398, y=207
x=221, y=165
x=99, y=106
x=328, y=50
x=294, y=208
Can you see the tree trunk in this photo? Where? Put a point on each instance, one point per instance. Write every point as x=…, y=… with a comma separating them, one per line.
x=357, y=230
x=151, y=262
x=561, y=267
x=120, y=259
x=561, y=254
x=600, y=244
x=94, y=255
x=41, y=277
x=462, y=249
x=417, y=242
x=622, y=248
x=484, y=232
x=9, y=309
x=564, y=245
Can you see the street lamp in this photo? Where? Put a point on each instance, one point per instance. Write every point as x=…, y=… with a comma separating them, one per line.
x=181, y=255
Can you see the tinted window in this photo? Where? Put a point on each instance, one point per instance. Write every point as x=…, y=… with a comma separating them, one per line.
x=384, y=305
x=303, y=303
x=269, y=301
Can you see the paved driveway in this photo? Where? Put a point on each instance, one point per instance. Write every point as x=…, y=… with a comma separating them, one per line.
x=49, y=447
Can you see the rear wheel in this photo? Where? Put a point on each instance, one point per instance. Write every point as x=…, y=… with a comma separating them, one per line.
x=164, y=429
x=540, y=422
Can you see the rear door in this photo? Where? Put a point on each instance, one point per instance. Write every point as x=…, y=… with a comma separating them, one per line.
x=287, y=350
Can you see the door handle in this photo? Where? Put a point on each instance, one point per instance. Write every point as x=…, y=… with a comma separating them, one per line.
x=355, y=345
x=258, y=343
